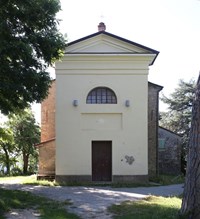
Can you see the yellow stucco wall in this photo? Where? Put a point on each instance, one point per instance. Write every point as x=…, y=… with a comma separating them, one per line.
x=126, y=127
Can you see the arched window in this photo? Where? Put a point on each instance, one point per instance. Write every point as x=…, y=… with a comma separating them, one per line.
x=101, y=95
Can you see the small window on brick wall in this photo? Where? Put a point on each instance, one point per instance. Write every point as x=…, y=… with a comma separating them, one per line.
x=161, y=143
x=101, y=95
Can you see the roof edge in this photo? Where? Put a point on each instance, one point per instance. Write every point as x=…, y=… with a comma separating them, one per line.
x=156, y=85
x=114, y=36
x=43, y=142
x=170, y=131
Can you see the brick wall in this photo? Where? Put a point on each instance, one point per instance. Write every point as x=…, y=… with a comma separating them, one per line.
x=48, y=115
x=47, y=158
x=47, y=146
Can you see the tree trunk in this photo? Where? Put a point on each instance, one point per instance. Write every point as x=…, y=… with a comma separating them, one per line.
x=191, y=196
x=25, y=162
x=7, y=161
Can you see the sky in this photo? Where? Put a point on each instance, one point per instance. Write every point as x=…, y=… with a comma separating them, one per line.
x=171, y=27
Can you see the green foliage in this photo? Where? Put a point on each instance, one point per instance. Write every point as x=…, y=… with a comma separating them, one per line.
x=17, y=140
x=7, y=152
x=179, y=114
x=159, y=180
x=168, y=179
x=25, y=130
x=25, y=200
x=16, y=171
x=151, y=207
x=26, y=134
x=29, y=44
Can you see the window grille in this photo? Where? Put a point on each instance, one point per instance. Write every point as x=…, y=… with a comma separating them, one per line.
x=101, y=95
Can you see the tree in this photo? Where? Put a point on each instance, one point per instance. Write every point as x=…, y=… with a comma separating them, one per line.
x=7, y=157
x=26, y=134
x=191, y=196
x=179, y=114
x=29, y=44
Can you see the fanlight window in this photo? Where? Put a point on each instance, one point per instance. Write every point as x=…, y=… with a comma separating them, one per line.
x=101, y=95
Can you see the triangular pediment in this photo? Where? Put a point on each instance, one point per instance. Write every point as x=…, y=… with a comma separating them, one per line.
x=103, y=42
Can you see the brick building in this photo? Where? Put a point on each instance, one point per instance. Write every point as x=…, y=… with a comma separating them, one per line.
x=47, y=146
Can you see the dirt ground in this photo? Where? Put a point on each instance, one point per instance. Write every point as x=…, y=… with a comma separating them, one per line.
x=88, y=202
x=22, y=214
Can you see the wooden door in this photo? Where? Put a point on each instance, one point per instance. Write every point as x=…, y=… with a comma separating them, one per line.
x=101, y=160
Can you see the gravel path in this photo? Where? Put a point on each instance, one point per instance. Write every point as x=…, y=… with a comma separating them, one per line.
x=92, y=202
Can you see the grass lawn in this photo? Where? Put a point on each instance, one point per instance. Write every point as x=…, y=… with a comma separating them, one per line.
x=30, y=180
x=168, y=179
x=160, y=180
x=150, y=208
x=25, y=200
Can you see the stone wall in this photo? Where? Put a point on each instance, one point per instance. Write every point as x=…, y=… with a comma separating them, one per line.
x=169, y=152
x=153, y=114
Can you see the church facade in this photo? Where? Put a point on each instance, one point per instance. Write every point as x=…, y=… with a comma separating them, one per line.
x=96, y=122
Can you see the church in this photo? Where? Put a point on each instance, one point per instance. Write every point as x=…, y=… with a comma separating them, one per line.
x=100, y=119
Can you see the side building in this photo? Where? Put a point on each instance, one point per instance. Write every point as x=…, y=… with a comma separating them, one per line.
x=169, y=152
